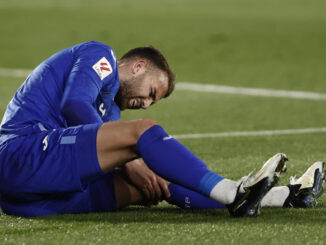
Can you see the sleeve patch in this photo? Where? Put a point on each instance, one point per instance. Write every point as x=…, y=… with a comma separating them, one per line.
x=103, y=68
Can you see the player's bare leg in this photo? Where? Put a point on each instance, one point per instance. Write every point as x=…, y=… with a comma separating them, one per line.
x=116, y=142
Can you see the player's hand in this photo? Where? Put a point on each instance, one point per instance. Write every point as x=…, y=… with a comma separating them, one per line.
x=153, y=187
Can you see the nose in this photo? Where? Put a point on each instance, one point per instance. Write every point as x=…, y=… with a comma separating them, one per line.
x=146, y=103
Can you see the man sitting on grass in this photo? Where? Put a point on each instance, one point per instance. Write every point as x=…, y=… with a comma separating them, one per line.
x=61, y=142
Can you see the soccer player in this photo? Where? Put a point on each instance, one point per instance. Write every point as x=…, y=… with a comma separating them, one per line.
x=61, y=140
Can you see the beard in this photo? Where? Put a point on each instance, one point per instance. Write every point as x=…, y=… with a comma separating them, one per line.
x=129, y=88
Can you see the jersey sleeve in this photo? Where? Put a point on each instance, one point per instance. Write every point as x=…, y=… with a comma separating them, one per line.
x=90, y=71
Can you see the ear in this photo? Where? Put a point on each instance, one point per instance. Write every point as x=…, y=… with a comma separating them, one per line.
x=139, y=66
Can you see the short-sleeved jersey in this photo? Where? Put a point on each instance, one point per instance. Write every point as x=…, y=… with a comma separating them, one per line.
x=74, y=86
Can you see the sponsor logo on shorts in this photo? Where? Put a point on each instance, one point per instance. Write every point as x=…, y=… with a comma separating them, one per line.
x=102, y=109
x=167, y=138
x=45, y=142
x=103, y=68
x=187, y=202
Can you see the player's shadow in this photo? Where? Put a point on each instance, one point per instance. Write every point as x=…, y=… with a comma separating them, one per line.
x=172, y=215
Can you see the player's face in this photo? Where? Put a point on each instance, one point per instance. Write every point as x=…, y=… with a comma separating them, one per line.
x=142, y=90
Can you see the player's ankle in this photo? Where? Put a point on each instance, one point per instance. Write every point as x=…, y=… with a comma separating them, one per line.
x=225, y=191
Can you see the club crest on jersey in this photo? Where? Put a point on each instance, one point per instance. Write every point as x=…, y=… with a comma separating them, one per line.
x=103, y=68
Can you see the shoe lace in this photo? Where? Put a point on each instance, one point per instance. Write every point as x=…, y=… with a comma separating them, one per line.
x=244, y=181
x=293, y=180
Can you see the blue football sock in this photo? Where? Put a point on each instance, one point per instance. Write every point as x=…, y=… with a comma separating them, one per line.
x=185, y=198
x=174, y=162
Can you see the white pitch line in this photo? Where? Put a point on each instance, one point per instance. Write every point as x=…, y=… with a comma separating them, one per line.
x=211, y=88
x=251, y=133
x=23, y=73
x=16, y=73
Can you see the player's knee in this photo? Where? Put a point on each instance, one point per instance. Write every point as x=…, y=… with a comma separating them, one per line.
x=144, y=124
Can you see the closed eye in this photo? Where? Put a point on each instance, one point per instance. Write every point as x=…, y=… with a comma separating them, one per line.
x=153, y=95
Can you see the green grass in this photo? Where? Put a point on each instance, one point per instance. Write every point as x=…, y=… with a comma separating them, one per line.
x=254, y=43
x=166, y=225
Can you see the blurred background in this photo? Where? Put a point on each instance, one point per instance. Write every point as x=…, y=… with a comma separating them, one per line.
x=271, y=44
x=254, y=43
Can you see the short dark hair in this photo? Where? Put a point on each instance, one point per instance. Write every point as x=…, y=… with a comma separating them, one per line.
x=155, y=57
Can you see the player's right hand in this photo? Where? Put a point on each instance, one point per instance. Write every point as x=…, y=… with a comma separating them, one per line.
x=153, y=187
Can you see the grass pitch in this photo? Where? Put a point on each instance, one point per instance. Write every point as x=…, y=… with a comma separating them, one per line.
x=255, y=43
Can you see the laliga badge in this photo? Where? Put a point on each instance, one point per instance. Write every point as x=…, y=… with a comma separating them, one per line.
x=103, y=68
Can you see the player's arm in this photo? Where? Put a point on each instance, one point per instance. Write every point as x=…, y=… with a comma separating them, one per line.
x=83, y=85
x=153, y=187
x=77, y=104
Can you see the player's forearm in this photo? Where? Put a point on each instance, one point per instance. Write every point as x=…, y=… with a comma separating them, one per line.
x=77, y=112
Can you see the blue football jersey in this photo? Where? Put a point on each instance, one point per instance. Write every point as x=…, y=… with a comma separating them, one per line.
x=74, y=86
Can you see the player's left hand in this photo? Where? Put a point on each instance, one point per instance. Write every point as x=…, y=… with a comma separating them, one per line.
x=154, y=188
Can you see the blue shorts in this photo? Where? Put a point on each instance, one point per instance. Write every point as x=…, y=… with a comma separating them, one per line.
x=54, y=172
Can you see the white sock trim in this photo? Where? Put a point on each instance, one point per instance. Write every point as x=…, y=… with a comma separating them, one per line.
x=276, y=197
x=224, y=192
